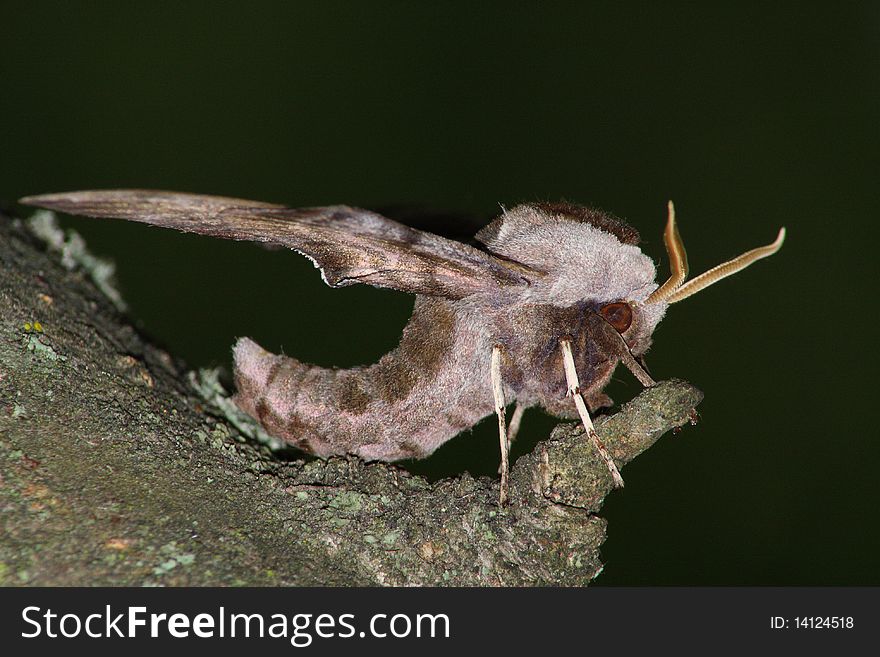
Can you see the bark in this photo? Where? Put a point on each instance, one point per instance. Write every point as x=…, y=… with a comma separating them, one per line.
x=118, y=467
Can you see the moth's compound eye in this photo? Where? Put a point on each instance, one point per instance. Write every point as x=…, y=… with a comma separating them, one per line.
x=619, y=315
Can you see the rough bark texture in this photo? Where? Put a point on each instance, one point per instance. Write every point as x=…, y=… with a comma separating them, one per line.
x=116, y=470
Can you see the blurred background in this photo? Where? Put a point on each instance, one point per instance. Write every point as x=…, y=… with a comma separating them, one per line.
x=749, y=116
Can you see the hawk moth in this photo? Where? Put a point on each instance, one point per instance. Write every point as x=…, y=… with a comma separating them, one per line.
x=540, y=312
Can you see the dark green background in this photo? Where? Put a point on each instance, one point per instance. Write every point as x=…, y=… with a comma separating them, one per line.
x=749, y=117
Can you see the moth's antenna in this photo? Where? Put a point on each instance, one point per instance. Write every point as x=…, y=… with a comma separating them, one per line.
x=726, y=269
x=675, y=289
x=677, y=259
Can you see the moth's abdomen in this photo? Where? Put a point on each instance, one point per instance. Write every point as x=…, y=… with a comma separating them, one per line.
x=269, y=387
x=312, y=408
x=405, y=406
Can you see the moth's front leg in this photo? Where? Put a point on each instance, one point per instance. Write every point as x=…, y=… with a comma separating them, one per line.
x=500, y=409
x=637, y=367
x=574, y=391
x=513, y=427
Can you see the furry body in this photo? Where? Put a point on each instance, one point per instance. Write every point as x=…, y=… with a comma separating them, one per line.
x=436, y=383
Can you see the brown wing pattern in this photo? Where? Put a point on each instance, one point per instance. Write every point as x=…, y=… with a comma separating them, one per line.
x=348, y=244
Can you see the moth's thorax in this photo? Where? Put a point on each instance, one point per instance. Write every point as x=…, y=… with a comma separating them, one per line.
x=582, y=258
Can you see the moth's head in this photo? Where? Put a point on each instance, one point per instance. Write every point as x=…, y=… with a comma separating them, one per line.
x=592, y=257
x=590, y=260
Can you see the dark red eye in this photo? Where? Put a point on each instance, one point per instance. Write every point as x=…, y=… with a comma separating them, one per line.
x=619, y=315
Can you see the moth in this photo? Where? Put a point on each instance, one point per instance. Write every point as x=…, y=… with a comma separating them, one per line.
x=540, y=311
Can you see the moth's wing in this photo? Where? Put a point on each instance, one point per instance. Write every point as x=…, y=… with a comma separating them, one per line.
x=348, y=244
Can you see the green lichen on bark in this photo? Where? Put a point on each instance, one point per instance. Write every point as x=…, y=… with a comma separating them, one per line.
x=115, y=470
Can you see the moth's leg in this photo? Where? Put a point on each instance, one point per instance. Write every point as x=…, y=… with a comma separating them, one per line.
x=515, y=421
x=500, y=406
x=641, y=361
x=574, y=390
x=513, y=427
x=636, y=366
